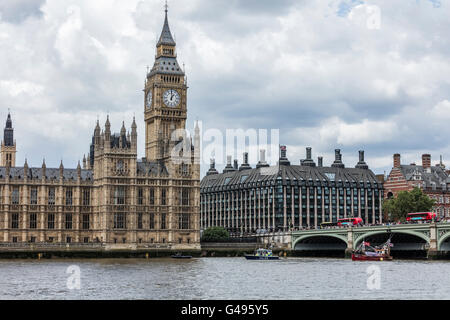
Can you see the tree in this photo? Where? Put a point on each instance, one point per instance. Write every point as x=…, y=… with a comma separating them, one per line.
x=215, y=234
x=406, y=202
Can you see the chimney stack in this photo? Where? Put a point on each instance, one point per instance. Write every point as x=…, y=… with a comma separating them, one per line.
x=426, y=161
x=361, y=164
x=338, y=159
x=245, y=165
x=308, y=161
x=397, y=160
x=212, y=168
x=262, y=159
x=228, y=167
x=320, y=161
x=283, y=159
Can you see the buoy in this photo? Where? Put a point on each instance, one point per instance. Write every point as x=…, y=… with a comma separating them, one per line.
x=285, y=254
x=39, y=256
x=146, y=255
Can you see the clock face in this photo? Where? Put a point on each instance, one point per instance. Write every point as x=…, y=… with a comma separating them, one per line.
x=171, y=98
x=148, y=102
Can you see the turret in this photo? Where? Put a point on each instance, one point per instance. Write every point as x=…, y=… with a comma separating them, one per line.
x=61, y=170
x=134, y=134
x=25, y=170
x=44, y=169
x=79, y=171
x=8, y=146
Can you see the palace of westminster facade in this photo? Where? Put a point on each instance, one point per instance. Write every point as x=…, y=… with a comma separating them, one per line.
x=113, y=198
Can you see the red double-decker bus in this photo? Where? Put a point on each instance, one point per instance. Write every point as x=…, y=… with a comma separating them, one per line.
x=420, y=216
x=349, y=221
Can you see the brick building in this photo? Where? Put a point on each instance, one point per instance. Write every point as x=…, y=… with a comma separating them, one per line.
x=433, y=180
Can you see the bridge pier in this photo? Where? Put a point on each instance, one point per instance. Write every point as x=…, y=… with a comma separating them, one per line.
x=349, y=250
x=432, y=252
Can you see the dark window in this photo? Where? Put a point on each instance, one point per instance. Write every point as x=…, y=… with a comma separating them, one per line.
x=152, y=221
x=33, y=195
x=68, y=239
x=15, y=196
x=119, y=195
x=119, y=220
x=152, y=196
x=69, y=197
x=51, y=221
x=15, y=221
x=139, y=222
x=51, y=196
x=163, y=221
x=185, y=197
x=140, y=199
x=163, y=197
x=183, y=221
x=86, y=197
x=33, y=220
x=86, y=239
x=85, y=222
x=68, y=221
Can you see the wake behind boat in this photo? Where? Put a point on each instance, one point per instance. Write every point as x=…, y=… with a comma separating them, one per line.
x=365, y=252
x=262, y=254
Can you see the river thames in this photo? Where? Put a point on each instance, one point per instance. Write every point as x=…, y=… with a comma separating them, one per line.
x=224, y=278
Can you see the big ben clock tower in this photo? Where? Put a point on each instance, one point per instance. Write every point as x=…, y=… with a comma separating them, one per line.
x=165, y=98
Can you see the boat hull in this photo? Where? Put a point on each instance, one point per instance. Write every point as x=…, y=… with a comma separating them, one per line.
x=251, y=257
x=363, y=257
x=181, y=257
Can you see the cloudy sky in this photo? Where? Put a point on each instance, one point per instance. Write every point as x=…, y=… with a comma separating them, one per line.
x=347, y=74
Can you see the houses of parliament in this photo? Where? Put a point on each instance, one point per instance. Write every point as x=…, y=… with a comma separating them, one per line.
x=113, y=198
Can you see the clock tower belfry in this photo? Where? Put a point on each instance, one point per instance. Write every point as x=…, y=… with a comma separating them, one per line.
x=165, y=98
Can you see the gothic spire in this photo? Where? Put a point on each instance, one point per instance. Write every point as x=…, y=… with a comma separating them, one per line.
x=8, y=134
x=166, y=36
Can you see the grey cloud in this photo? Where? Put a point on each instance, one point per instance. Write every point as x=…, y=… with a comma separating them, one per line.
x=15, y=11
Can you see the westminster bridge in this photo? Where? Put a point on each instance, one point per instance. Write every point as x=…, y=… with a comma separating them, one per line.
x=433, y=239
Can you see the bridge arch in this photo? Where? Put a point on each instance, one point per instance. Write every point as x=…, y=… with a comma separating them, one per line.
x=420, y=235
x=310, y=236
x=442, y=239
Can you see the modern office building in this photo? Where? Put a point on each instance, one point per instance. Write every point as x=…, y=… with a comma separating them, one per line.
x=287, y=196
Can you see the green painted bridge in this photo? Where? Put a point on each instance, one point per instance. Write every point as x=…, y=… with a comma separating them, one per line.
x=433, y=238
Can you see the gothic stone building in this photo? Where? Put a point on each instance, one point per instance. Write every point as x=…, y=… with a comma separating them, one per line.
x=434, y=181
x=286, y=196
x=115, y=199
